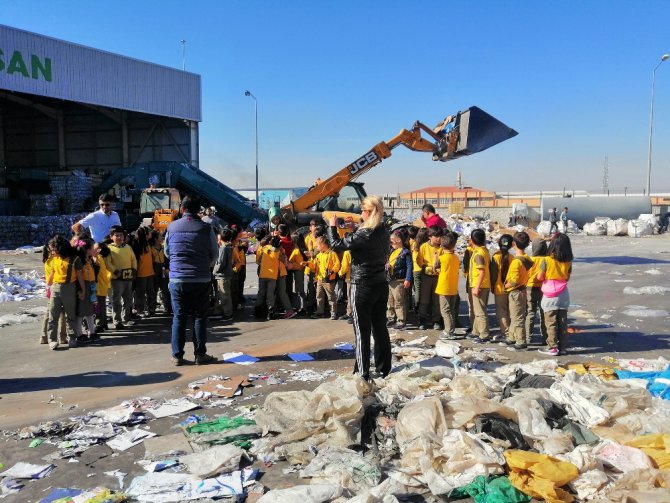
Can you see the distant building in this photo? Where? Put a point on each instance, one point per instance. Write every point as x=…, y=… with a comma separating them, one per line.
x=442, y=197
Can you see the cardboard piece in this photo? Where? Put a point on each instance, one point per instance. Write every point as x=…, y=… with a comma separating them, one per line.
x=167, y=446
x=223, y=388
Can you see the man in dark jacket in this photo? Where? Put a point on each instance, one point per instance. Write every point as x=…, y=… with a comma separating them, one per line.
x=369, y=247
x=191, y=247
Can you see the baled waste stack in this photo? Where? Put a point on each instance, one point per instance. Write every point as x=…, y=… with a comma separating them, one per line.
x=465, y=425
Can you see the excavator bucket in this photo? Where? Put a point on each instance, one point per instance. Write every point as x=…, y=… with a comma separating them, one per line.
x=469, y=132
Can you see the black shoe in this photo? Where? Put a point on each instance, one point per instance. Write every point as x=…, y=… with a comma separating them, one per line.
x=437, y=326
x=205, y=359
x=422, y=327
x=350, y=320
x=316, y=316
x=227, y=318
x=119, y=326
x=390, y=323
x=344, y=317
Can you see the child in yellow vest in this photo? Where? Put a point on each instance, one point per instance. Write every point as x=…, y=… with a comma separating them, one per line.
x=145, y=296
x=429, y=301
x=534, y=292
x=161, y=271
x=282, y=292
x=345, y=273
x=447, y=285
x=555, y=271
x=122, y=265
x=267, y=258
x=479, y=279
x=86, y=307
x=400, y=272
x=298, y=262
x=515, y=286
x=500, y=263
x=310, y=243
x=103, y=284
x=65, y=276
x=325, y=267
x=415, y=246
x=47, y=259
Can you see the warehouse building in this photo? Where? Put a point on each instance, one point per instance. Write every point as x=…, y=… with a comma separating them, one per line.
x=65, y=107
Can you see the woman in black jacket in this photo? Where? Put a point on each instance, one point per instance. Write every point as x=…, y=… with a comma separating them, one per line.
x=369, y=247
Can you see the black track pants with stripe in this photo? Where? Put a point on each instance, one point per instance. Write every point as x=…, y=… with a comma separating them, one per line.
x=368, y=310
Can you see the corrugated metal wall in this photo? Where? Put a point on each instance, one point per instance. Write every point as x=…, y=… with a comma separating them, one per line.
x=35, y=64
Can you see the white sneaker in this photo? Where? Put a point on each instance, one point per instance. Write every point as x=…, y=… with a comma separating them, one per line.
x=53, y=345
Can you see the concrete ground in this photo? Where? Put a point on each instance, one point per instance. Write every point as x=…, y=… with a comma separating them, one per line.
x=37, y=384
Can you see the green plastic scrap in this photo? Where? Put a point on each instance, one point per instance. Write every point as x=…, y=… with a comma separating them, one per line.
x=36, y=442
x=489, y=490
x=222, y=431
x=222, y=423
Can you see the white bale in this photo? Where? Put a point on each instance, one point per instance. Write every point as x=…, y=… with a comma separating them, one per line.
x=618, y=227
x=652, y=219
x=639, y=228
x=572, y=227
x=595, y=229
x=543, y=228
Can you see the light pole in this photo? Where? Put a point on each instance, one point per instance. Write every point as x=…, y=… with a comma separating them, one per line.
x=651, y=120
x=248, y=93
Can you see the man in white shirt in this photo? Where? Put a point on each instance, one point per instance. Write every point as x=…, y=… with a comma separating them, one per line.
x=99, y=222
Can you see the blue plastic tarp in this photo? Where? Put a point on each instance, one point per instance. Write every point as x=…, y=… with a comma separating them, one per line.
x=659, y=382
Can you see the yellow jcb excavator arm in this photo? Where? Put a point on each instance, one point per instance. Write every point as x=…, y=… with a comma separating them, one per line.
x=462, y=134
x=411, y=139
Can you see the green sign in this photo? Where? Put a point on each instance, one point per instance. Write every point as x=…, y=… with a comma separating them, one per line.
x=29, y=67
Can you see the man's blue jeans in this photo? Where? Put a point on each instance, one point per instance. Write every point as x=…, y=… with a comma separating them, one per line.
x=193, y=299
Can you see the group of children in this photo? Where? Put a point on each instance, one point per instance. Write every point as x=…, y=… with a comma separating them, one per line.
x=80, y=274
x=522, y=285
x=299, y=274
x=302, y=274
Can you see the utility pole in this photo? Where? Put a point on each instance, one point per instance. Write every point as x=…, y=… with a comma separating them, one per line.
x=606, y=177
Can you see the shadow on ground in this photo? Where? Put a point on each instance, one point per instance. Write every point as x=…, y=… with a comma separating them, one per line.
x=623, y=260
x=592, y=342
x=103, y=379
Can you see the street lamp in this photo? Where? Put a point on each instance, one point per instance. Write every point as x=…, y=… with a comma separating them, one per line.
x=248, y=93
x=651, y=120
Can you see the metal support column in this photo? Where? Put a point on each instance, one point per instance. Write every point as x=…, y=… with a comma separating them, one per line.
x=194, y=144
x=124, y=139
x=61, y=139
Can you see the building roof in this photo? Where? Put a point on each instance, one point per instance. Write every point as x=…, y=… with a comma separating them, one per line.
x=46, y=66
x=446, y=188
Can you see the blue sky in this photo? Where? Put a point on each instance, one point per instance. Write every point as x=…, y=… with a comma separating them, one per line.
x=334, y=78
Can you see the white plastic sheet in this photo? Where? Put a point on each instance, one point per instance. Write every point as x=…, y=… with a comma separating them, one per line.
x=316, y=493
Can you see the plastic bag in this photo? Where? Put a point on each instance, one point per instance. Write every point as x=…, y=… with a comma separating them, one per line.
x=539, y=475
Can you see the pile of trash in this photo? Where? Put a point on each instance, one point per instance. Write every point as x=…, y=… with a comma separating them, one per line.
x=469, y=425
x=16, y=286
x=449, y=422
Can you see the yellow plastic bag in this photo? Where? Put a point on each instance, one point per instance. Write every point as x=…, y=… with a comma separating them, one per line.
x=656, y=446
x=540, y=476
